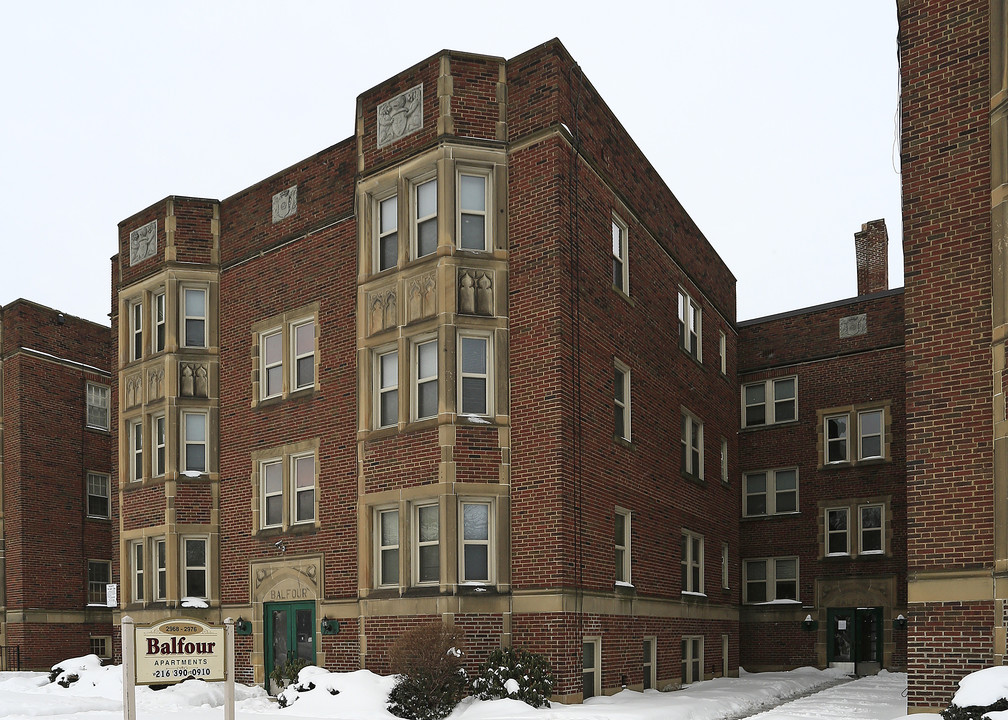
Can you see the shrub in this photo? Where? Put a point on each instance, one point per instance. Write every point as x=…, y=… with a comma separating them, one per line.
x=973, y=712
x=530, y=674
x=432, y=680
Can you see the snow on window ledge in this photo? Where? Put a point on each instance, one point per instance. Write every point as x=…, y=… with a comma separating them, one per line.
x=194, y=602
x=623, y=583
x=693, y=594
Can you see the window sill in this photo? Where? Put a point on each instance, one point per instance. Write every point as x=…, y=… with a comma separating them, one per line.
x=92, y=428
x=305, y=528
x=775, y=516
x=623, y=442
x=624, y=588
x=105, y=518
x=624, y=295
x=690, y=477
x=690, y=595
x=691, y=356
x=767, y=426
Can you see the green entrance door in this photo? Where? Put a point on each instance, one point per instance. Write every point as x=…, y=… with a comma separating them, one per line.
x=854, y=639
x=289, y=634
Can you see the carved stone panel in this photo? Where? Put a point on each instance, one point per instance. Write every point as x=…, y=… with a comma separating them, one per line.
x=854, y=325
x=400, y=116
x=193, y=380
x=155, y=384
x=475, y=292
x=422, y=297
x=134, y=390
x=284, y=204
x=284, y=580
x=143, y=242
x=383, y=312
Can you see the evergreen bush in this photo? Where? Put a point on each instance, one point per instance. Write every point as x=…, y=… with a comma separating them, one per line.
x=530, y=672
x=973, y=712
x=432, y=680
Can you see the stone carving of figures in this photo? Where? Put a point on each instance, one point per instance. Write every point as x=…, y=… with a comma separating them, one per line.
x=186, y=389
x=429, y=299
x=467, y=294
x=391, y=318
x=201, y=382
x=415, y=301
x=484, y=295
x=400, y=116
x=377, y=315
x=143, y=242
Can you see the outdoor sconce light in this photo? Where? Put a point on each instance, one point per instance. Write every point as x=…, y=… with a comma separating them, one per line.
x=330, y=627
x=243, y=627
x=899, y=623
x=809, y=624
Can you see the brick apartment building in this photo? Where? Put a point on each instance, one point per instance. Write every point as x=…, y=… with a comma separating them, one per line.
x=404, y=381
x=55, y=508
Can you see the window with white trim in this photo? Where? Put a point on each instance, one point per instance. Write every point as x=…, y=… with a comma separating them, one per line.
x=871, y=529
x=692, y=445
x=194, y=446
x=286, y=356
x=100, y=645
x=426, y=542
x=159, y=555
x=99, y=575
x=425, y=379
x=591, y=667
x=136, y=330
x=303, y=354
x=769, y=402
x=98, y=498
x=620, y=264
x=689, y=325
x=476, y=541
x=621, y=400
x=194, y=567
x=474, y=389
x=870, y=434
x=97, y=400
x=724, y=565
x=621, y=540
x=137, y=557
x=194, y=317
x=387, y=531
x=837, y=450
x=769, y=579
x=692, y=659
x=425, y=225
x=272, y=364
x=136, y=450
x=724, y=461
x=271, y=496
x=770, y=492
x=692, y=562
x=287, y=489
x=303, y=492
x=387, y=244
x=158, y=443
x=649, y=661
x=723, y=351
x=158, y=321
x=837, y=525
x=473, y=201
x=386, y=378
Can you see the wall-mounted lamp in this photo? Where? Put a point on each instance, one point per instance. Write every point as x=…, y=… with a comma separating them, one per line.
x=809, y=624
x=243, y=627
x=900, y=622
x=330, y=627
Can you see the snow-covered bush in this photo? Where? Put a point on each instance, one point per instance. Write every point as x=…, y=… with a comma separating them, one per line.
x=981, y=692
x=432, y=680
x=67, y=672
x=515, y=673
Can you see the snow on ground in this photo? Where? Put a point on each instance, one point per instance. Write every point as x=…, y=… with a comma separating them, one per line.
x=877, y=697
x=362, y=694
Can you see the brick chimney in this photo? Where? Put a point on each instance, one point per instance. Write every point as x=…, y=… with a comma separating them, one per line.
x=871, y=246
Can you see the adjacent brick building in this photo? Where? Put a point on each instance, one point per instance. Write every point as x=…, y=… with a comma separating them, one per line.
x=55, y=505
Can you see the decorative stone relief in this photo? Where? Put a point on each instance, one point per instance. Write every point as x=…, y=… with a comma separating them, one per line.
x=853, y=325
x=284, y=204
x=286, y=579
x=400, y=116
x=475, y=292
x=143, y=242
x=155, y=384
x=422, y=297
x=382, y=310
x=134, y=390
x=193, y=380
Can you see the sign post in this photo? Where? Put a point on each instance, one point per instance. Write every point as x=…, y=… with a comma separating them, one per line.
x=129, y=674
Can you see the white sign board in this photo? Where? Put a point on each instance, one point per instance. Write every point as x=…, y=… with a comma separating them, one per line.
x=172, y=650
x=111, y=595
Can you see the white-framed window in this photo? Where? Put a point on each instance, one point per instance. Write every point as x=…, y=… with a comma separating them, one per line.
x=649, y=661
x=723, y=351
x=136, y=450
x=692, y=445
x=194, y=447
x=473, y=204
x=837, y=524
x=272, y=363
x=692, y=562
x=690, y=324
x=870, y=434
x=97, y=401
x=387, y=530
x=99, y=575
x=621, y=400
x=724, y=461
x=425, y=225
x=835, y=429
x=474, y=388
x=137, y=557
x=271, y=494
x=724, y=565
x=621, y=541
x=386, y=376
x=426, y=542
x=98, y=498
x=158, y=445
x=194, y=567
x=158, y=320
x=303, y=490
x=194, y=317
x=303, y=354
x=425, y=379
x=387, y=244
x=287, y=357
x=159, y=555
x=769, y=579
x=620, y=264
x=136, y=330
x=101, y=645
x=871, y=524
x=591, y=667
x=770, y=492
x=476, y=553
x=692, y=659
x=769, y=402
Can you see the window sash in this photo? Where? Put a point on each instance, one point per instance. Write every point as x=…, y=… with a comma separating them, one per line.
x=158, y=441
x=427, y=540
x=303, y=488
x=387, y=534
x=620, y=278
x=194, y=447
x=97, y=401
x=99, y=575
x=387, y=382
x=303, y=352
x=768, y=579
x=836, y=433
x=871, y=529
x=136, y=451
x=159, y=321
x=692, y=659
x=387, y=249
x=621, y=400
x=648, y=661
x=160, y=564
x=476, y=536
x=425, y=210
x=425, y=379
x=621, y=541
x=136, y=331
x=474, y=375
x=692, y=446
x=98, y=498
x=137, y=552
x=837, y=523
x=870, y=445
x=194, y=567
x=473, y=201
x=692, y=563
x=690, y=320
x=271, y=482
x=194, y=316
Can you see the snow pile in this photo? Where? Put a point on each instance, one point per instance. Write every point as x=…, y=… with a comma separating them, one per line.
x=983, y=687
x=320, y=693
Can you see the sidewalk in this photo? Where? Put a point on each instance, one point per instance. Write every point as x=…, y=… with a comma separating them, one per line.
x=876, y=697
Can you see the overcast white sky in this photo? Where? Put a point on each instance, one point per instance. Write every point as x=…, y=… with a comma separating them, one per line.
x=773, y=122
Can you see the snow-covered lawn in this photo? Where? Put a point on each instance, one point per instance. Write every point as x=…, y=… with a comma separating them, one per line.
x=362, y=694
